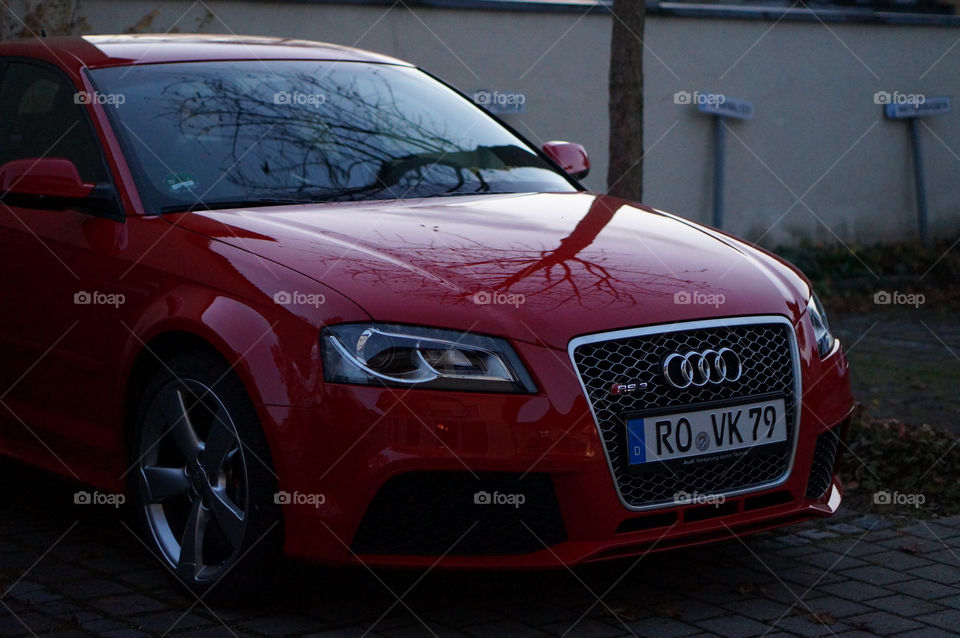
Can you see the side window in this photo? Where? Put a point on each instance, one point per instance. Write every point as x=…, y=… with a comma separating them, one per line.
x=40, y=117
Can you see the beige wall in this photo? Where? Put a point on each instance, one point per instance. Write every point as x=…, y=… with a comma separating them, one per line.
x=813, y=88
x=812, y=85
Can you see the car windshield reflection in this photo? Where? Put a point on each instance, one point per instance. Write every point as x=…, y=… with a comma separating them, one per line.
x=247, y=134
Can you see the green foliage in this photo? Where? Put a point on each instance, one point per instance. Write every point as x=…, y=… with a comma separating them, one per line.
x=887, y=454
x=846, y=277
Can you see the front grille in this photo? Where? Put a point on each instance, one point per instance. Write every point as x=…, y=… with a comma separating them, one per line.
x=437, y=513
x=767, y=349
x=824, y=462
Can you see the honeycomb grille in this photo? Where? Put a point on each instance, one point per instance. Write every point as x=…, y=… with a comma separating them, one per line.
x=766, y=352
x=824, y=461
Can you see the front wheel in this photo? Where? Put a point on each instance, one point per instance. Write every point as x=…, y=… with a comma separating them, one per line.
x=203, y=481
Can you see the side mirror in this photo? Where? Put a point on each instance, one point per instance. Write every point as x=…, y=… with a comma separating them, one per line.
x=54, y=183
x=571, y=157
x=46, y=177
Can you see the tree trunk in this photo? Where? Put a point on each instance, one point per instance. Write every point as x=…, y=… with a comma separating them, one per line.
x=625, y=175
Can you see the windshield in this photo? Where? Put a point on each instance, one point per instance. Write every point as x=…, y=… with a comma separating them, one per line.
x=226, y=134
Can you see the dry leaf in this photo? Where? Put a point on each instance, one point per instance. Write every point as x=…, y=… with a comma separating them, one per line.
x=624, y=613
x=822, y=618
x=668, y=611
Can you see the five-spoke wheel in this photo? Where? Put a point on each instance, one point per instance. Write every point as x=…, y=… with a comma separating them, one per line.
x=203, y=478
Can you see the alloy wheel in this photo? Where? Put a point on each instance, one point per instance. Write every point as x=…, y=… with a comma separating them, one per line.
x=193, y=481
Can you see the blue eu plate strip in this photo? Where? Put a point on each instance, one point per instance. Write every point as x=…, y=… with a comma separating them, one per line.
x=636, y=444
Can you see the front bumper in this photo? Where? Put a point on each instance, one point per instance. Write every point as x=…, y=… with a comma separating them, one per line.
x=623, y=545
x=365, y=439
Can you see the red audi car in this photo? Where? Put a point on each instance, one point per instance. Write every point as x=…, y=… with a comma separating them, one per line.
x=293, y=299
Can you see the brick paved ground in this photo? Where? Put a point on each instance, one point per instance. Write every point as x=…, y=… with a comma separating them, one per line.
x=853, y=576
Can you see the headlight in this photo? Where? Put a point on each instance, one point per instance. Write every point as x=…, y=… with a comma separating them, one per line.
x=821, y=329
x=395, y=355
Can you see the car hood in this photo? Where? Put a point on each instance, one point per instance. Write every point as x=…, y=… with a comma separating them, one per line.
x=533, y=267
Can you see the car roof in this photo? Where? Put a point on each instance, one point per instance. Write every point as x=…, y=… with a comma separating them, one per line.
x=93, y=51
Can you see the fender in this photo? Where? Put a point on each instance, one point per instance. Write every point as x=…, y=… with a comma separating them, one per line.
x=274, y=351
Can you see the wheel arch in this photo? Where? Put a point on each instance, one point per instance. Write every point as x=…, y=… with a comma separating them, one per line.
x=248, y=341
x=151, y=358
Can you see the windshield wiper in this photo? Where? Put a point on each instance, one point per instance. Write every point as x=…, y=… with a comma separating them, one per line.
x=240, y=203
x=468, y=193
x=364, y=193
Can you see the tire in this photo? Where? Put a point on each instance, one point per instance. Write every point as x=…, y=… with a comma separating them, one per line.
x=202, y=482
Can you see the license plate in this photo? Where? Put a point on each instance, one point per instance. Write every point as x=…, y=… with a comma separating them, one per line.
x=692, y=433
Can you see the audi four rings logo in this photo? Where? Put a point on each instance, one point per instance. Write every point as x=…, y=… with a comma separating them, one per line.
x=700, y=368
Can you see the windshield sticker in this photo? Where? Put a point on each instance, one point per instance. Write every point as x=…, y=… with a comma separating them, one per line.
x=180, y=182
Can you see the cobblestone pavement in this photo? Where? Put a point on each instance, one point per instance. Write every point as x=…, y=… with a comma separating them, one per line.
x=71, y=570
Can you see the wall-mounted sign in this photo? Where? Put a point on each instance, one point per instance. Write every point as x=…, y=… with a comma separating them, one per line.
x=724, y=106
x=910, y=107
x=934, y=105
x=720, y=107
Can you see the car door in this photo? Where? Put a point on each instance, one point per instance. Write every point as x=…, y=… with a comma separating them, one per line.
x=62, y=306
